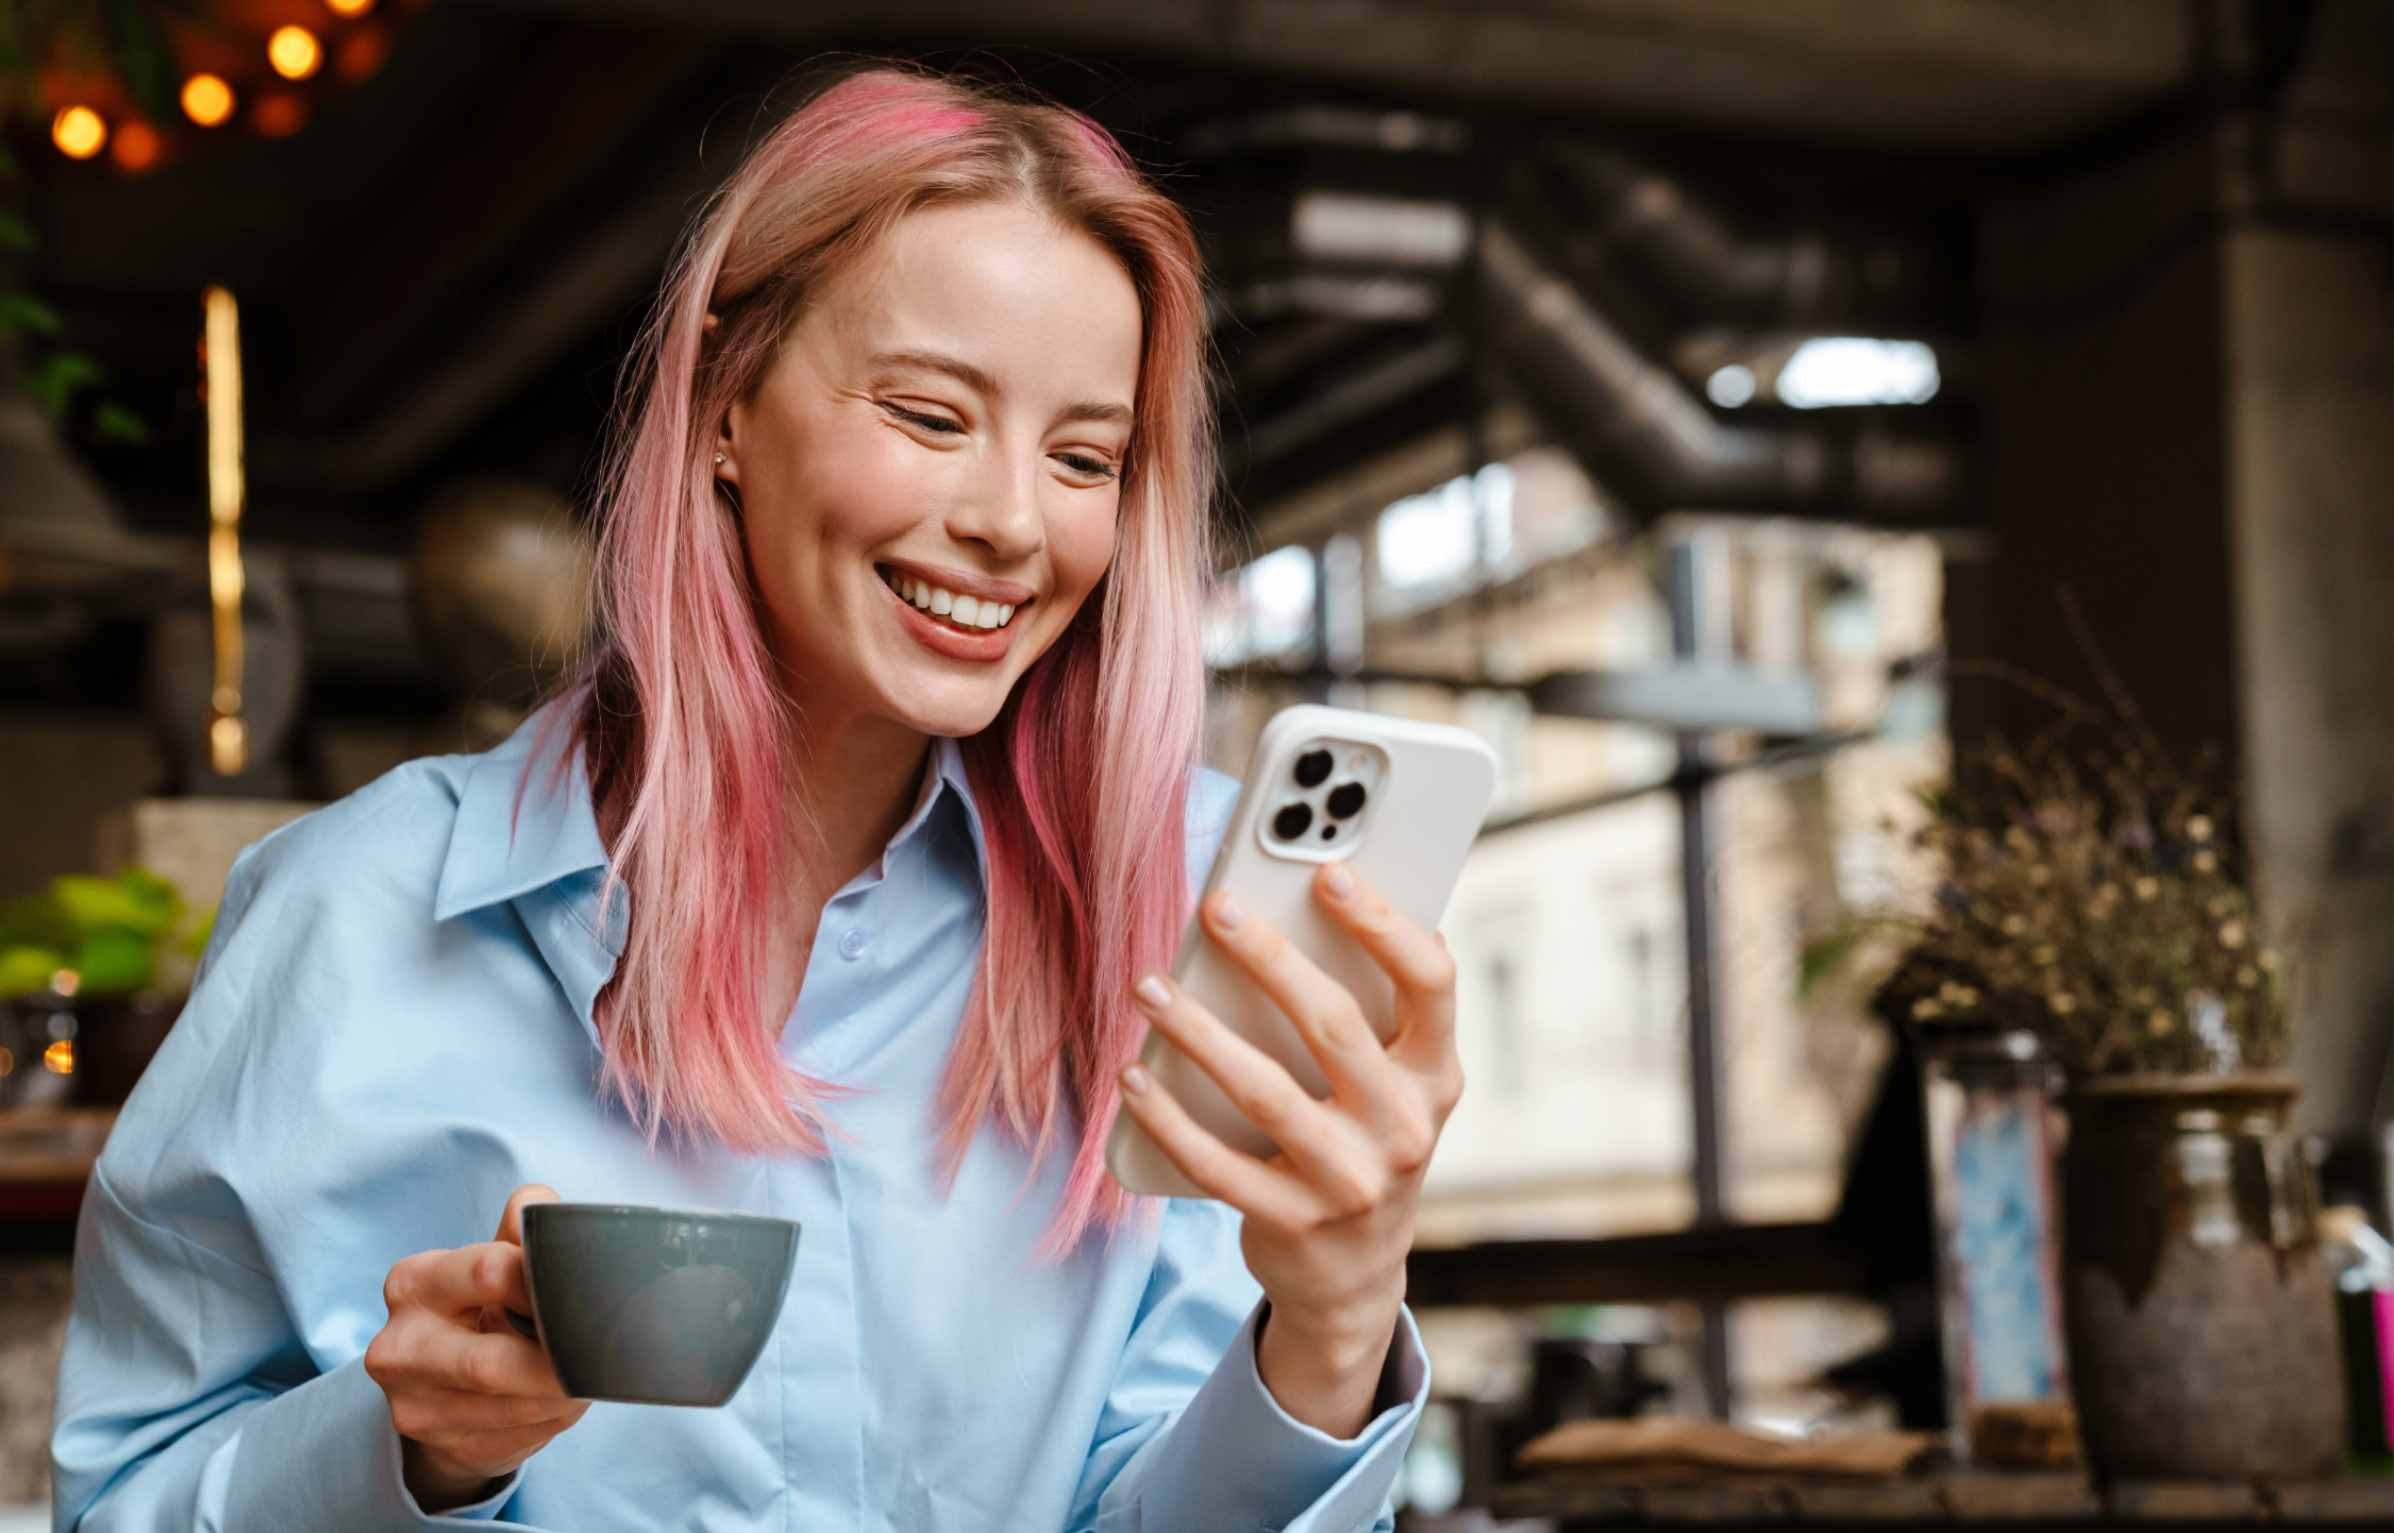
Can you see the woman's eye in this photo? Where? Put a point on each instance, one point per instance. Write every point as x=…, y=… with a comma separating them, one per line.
x=1080, y=463
x=938, y=423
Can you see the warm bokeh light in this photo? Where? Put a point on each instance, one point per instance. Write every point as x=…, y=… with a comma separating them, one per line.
x=78, y=132
x=207, y=100
x=361, y=52
x=137, y=145
x=220, y=355
x=60, y=1057
x=65, y=983
x=294, y=53
x=349, y=7
x=278, y=116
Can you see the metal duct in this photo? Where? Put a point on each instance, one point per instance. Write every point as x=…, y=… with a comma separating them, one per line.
x=1675, y=239
x=1643, y=436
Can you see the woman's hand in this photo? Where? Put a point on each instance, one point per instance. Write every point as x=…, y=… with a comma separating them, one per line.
x=1329, y=1218
x=470, y=1398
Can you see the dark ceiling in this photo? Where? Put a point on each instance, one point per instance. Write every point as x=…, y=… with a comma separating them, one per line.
x=442, y=272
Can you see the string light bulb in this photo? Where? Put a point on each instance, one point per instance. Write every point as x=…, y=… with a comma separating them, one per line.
x=350, y=8
x=79, y=132
x=207, y=100
x=279, y=115
x=136, y=146
x=294, y=52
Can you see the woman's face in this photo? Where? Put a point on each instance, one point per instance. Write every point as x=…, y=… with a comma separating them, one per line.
x=929, y=468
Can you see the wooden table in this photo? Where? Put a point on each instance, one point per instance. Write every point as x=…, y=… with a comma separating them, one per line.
x=1983, y=1501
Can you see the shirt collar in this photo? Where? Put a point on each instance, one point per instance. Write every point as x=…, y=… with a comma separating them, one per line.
x=499, y=851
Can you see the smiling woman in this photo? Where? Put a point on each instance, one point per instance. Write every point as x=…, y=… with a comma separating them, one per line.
x=820, y=893
x=877, y=448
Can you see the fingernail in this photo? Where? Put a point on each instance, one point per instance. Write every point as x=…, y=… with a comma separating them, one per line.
x=1228, y=913
x=1134, y=1080
x=1338, y=881
x=1153, y=992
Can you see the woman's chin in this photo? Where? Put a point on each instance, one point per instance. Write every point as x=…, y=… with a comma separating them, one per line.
x=967, y=712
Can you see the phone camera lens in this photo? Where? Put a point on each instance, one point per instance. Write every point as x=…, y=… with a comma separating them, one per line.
x=1292, y=821
x=1312, y=767
x=1346, y=799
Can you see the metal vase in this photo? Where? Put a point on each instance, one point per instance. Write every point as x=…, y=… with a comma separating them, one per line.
x=2201, y=1321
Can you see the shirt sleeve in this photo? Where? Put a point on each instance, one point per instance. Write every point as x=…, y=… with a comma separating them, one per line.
x=176, y=1409
x=1190, y=1439
x=186, y=1397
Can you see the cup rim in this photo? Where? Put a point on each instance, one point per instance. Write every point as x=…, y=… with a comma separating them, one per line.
x=654, y=1210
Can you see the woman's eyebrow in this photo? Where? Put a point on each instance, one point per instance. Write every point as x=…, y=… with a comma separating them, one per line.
x=981, y=380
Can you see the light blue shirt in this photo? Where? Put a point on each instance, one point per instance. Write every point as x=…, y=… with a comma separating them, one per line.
x=391, y=1030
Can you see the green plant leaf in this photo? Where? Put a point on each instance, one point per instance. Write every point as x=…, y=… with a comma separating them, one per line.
x=112, y=422
x=152, y=892
x=26, y=970
x=1938, y=799
x=23, y=311
x=34, y=920
x=15, y=233
x=1823, y=956
x=113, y=961
x=195, y=941
x=100, y=904
x=63, y=375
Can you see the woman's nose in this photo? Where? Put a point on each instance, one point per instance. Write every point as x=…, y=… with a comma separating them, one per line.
x=1003, y=511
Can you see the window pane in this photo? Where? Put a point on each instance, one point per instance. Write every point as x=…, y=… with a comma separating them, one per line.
x=1264, y=610
x=1798, y=846
x=1572, y=998
x=1427, y=547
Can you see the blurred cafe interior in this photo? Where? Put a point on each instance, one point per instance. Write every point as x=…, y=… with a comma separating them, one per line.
x=1749, y=416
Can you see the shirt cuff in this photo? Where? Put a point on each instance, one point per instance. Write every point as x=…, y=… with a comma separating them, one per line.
x=324, y=1455
x=1268, y=1470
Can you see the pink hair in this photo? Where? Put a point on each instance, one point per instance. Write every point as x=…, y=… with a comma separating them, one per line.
x=686, y=725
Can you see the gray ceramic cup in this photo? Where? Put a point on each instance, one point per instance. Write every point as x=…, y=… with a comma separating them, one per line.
x=659, y=1306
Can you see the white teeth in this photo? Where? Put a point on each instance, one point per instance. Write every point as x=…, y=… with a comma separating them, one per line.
x=964, y=611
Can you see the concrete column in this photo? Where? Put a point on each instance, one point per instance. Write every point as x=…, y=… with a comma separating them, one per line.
x=2189, y=405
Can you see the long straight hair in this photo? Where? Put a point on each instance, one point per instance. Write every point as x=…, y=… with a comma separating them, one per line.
x=686, y=724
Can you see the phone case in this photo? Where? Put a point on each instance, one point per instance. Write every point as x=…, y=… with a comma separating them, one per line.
x=1409, y=840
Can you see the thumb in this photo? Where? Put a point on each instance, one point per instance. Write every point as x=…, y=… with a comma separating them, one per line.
x=511, y=1222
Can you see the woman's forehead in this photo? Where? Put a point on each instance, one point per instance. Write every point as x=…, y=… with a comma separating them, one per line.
x=1015, y=298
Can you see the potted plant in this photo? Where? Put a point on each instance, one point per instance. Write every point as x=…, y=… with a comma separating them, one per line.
x=91, y=976
x=2093, y=898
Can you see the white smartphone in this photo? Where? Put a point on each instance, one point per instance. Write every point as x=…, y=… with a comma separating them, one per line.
x=1398, y=801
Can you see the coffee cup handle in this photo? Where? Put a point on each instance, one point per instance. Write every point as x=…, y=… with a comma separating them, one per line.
x=522, y=1323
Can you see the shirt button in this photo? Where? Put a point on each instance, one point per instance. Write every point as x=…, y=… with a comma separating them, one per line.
x=852, y=943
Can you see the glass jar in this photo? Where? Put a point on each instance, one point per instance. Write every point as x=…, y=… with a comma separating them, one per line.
x=1995, y=1133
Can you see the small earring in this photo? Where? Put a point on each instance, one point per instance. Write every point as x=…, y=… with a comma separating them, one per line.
x=719, y=460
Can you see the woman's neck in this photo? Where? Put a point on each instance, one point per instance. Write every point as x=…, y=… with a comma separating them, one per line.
x=853, y=782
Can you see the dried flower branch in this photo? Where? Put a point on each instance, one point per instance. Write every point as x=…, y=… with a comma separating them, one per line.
x=2094, y=896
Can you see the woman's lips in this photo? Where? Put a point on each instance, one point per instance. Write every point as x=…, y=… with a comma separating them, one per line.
x=941, y=637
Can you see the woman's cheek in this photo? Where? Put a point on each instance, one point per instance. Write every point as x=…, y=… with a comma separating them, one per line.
x=1084, y=546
